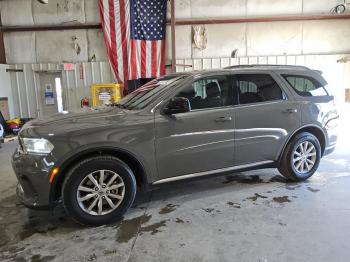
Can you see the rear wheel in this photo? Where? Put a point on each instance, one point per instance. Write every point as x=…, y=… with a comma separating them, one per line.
x=301, y=157
x=99, y=190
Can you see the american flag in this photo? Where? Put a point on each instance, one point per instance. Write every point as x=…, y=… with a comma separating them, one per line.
x=134, y=32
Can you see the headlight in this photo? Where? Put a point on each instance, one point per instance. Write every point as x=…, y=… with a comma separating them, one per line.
x=36, y=146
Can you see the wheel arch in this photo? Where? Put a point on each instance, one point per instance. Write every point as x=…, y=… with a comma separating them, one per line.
x=312, y=129
x=128, y=158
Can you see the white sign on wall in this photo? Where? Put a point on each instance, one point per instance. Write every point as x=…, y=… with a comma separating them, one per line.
x=49, y=96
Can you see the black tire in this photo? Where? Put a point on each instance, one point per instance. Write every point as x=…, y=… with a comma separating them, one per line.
x=286, y=166
x=80, y=172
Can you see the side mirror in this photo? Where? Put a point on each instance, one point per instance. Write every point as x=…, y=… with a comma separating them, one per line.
x=177, y=105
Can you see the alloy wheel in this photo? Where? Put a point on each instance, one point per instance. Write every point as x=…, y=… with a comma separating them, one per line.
x=100, y=192
x=304, y=157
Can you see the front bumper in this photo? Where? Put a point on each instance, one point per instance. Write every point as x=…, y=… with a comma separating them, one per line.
x=33, y=175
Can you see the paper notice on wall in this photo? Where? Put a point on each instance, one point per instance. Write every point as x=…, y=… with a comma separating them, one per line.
x=49, y=96
x=105, y=97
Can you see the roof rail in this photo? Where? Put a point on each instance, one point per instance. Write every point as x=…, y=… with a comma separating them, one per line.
x=255, y=65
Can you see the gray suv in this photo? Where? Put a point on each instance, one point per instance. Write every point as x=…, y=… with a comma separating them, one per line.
x=180, y=126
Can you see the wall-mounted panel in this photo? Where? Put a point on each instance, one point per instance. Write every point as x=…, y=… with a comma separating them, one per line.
x=324, y=37
x=274, y=7
x=20, y=47
x=222, y=40
x=59, y=46
x=183, y=42
x=218, y=8
x=18, y=12
x=96, y=45
x=183, y=9
x=274, y=38
x=59, y=11
x=92, y=14
x=317, y=6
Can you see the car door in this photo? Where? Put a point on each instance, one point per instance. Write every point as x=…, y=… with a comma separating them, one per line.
x=202, y=139
x=265, y=117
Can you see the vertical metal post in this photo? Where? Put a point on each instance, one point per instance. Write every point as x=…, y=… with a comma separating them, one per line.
x=2, y=46
x=173, y=50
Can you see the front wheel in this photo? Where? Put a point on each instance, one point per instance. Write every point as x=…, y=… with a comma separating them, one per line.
x=301, y=157
x=99, y=190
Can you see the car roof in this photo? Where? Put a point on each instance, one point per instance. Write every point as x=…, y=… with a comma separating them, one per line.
x=247, y=68
x=274, y=67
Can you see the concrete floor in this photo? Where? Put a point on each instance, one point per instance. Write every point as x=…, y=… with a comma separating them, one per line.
x=250, y=216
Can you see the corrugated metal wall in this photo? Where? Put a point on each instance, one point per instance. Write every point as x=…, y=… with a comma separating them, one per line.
x=25, y=84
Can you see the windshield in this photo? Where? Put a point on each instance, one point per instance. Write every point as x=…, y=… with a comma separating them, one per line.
x=147, y=93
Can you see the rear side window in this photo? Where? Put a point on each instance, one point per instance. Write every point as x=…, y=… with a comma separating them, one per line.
x=306, y=86
x=255, y=88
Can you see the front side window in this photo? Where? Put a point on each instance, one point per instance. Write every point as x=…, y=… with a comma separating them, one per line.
x=146, y=94
x=255, y=88
x=208, y=92
x=305, y=86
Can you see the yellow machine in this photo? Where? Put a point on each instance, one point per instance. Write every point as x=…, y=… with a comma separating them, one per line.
x=106, y=94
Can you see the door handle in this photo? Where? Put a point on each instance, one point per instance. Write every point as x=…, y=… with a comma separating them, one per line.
x=223, y=119
x=290, y=111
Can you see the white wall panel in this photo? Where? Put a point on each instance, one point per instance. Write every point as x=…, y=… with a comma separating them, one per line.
x=20, y=46
x=274, y=38
x=222, y=40
x=57, y=46
x=324, y=37
x=96, y=45
x=59, y=11
x=274, y=7
x=183, y=41
x=16, y=12
x=317, y=6
x=218, y=8
x=92, y=14
x=182, y=9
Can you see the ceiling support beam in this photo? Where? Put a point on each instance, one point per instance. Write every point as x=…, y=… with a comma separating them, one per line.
x=49, y=27
x=182, y=22
x=261, y=19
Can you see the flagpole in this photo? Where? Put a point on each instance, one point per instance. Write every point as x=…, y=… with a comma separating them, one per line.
x=173, y=50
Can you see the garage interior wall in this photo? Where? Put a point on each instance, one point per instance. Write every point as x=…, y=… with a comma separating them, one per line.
x=75, y=83
x=319, y=44
x=25, y=84
x=6, y=89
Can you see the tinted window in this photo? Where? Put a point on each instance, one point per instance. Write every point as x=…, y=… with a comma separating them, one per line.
x=146, y=94
x=306, y=86
x=208, y=93
x=255, y=88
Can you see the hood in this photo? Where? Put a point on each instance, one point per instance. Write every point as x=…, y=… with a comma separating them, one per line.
x=72, y=121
